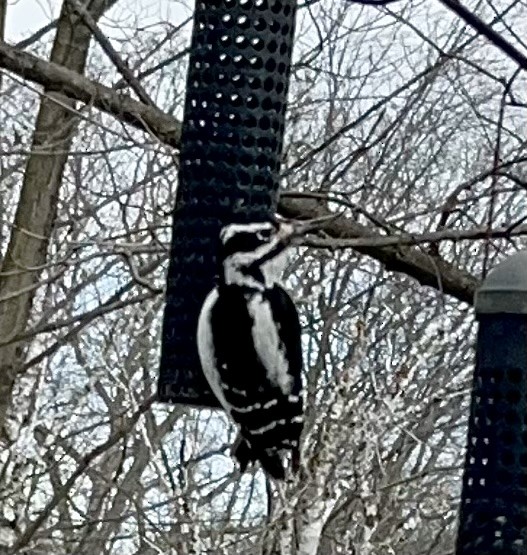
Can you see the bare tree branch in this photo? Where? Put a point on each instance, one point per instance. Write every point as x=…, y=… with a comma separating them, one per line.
x=432, y=271
x=37, y=205
x=110, y=51
x=484, y=29
x=73, y=85
x=62, y=492
x=400, y=239
x=427, y=269
x=471, y=19
x=37, y=35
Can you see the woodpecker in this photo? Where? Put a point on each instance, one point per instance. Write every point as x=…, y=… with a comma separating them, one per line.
x=249, y=344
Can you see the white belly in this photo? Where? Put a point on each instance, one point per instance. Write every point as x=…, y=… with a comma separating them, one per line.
x=267, y=343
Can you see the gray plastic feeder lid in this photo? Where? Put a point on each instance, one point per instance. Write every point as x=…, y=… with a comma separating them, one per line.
x=505, y=289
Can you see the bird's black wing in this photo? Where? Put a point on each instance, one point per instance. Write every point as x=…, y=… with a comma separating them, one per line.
x=269, y=419
x=290, y=333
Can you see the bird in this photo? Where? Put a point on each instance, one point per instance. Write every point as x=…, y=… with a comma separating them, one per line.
x=249, y=345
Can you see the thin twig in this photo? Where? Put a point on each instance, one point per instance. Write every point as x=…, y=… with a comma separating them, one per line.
x=62, y=491
x=487, y=31
x=110, y=51
x=453, y=235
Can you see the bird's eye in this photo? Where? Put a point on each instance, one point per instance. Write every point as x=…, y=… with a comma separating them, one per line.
x=264, y=234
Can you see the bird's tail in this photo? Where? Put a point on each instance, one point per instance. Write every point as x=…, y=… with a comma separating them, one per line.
x=270, y=459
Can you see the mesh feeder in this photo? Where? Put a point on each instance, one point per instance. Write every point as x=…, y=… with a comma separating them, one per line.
x=233, y=127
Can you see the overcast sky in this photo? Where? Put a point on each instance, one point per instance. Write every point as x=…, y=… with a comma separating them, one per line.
x=24, y=17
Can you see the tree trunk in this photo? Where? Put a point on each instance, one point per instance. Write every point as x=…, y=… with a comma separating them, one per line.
x=3, y=12
x=36, y=211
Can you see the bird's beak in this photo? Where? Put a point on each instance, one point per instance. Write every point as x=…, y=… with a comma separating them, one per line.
x=292, y=231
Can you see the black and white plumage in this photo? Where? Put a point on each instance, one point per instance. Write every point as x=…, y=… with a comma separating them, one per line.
x=250, y=348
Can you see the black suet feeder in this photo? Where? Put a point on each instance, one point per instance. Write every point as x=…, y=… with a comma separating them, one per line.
x=233, y=126
x=493, y=518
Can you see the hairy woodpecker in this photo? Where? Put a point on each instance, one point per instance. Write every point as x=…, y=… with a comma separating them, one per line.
x=250, y=348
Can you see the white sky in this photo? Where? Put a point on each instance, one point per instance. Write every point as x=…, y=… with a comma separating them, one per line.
x=24, y=17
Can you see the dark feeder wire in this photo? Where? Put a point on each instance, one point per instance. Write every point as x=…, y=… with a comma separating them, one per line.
x=233, y=127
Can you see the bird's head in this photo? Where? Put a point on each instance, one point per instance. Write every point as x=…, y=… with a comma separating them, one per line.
x=254, y=254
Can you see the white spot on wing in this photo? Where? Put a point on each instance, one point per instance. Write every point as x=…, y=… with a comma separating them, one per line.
x=268, y=427
x=290, y=442
x=236, y=391
x=267, y=344
x=250, y=408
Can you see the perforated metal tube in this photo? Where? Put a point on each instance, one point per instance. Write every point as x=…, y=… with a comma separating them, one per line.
x=229, y=163
x=493, y=518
